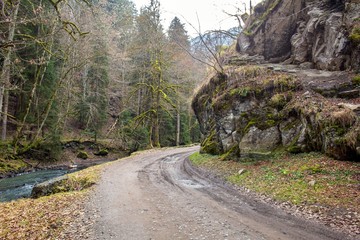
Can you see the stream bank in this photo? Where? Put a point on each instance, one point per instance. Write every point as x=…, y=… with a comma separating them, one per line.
x=93, y=153
x=18, y=177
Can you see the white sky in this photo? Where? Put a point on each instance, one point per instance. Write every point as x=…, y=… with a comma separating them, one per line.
x=210, y=12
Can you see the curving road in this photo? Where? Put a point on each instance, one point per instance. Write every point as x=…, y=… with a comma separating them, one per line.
x=158, y=195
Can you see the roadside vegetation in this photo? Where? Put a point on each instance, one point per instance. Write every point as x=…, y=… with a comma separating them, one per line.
x=312, y=183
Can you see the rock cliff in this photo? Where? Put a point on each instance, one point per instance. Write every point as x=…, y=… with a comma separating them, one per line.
x=306, y=103
x=251, y=111
x=325, y=33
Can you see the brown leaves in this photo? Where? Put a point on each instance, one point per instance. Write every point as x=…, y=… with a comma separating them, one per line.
x=48, y=217
x=42, y=218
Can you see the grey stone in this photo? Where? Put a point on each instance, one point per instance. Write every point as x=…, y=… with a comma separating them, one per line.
x=317, y=33
x=290, y=129
x=260, y=140
x=354, y=93
x=312, y=183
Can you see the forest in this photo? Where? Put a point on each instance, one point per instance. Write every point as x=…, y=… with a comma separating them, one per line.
x=98, y=69
x=239, y=133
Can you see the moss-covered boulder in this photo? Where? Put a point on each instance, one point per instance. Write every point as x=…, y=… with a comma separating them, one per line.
x=102, y=152
x=49, y=187
x=82, y=155
x=253, y=110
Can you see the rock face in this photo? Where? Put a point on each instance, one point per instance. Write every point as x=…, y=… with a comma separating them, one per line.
x=324, y=33
x=253, y=110
x=306, y=103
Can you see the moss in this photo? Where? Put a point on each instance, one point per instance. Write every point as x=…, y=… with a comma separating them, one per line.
x=355, y=35
x=11, y=166
x=82, y=155
x=102, y=152
x=270, y=123
x=243, y=92
x=249, y=125
x=278, y=101
x=244, y=114
x=232, y=154
x=339, y=130
x=285, y=82
x=210, y=145
x=294, y=149
x=356, y=80
x=292, y=125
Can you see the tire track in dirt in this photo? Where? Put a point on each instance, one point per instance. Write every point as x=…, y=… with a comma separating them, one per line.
x=159, y=195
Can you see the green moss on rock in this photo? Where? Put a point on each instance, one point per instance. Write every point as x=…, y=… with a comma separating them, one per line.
x=210, y=145
x=355, y=35
x=278, y=101
x=356, y=80
x=8, y=167
x=294, y=149
x=243, y=91
x=232, y=154
x=102, y=152
x=82, y=155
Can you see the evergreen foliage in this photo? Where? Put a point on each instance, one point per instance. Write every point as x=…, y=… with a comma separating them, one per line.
x=111, y=72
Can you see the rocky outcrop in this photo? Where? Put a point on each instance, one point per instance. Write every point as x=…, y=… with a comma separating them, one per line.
x=288, y=88
x=325, y=33
x=255, y=110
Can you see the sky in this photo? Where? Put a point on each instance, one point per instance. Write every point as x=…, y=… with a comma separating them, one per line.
x=210, y=13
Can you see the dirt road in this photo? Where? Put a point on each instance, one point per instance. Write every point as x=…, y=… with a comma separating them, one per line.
x=158, y=195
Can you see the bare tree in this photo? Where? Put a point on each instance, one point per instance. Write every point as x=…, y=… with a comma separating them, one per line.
x=5, y=72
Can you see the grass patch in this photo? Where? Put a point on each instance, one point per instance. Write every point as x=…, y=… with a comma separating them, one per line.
x=310, y=178
x=199, y=159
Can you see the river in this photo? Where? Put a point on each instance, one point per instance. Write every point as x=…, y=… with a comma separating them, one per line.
x=21, y=186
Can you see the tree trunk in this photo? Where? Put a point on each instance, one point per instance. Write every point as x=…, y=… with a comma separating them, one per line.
x=251, y=8
x=151, y=136
x=156, y=121
x=178, y=124
x=5, y=73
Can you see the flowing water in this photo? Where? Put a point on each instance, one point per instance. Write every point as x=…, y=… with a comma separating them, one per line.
x=22, y=185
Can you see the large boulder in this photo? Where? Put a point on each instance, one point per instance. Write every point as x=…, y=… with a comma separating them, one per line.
x=254, y=109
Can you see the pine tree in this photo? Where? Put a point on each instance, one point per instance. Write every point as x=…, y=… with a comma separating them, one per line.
x=151, y=61
x=182, y=74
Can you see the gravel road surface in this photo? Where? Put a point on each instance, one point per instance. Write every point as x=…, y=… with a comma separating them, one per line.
x=157, y=194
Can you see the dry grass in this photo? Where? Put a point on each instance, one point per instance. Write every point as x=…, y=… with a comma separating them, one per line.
x=43, y=218
x=48, y=217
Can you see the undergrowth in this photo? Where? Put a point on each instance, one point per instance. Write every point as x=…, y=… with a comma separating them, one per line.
x=309, y=178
